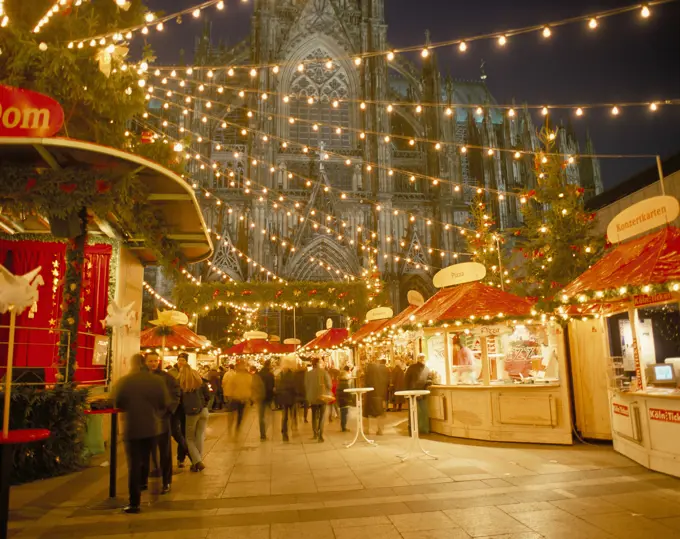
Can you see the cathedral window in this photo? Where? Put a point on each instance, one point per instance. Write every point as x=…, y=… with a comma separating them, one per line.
x=325, y=82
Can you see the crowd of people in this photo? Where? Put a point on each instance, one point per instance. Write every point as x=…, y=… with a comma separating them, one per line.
x=175, y=403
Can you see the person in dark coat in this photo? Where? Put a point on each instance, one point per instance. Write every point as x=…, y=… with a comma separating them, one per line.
x=264, y=395
x=145, y=400
x=153, y=363
x=418, y=376
x=318, y=388
x=300, y=391
x=344, y=400
x=377, y=377
x=397, y=381
x=286, y=393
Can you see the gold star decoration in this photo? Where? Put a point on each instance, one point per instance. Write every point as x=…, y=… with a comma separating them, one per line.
x=55, y=264
x=88, y=308
x=52, y=321
x=88, y=325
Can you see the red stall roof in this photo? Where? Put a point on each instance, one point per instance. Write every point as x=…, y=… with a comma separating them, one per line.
x=258, y=346
x=368, y=329
x=331, y=338
x=470, y=299
x=651, y=259
x=181, y=336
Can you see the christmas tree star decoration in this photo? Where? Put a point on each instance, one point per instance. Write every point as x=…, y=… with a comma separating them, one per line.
x=19, y=292
x=170, y=318
x=118, y=317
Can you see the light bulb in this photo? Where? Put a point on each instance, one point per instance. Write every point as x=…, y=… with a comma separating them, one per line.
x=196, y=13
x=615, y=111
x=502, y=40
x=357, y=61
x=579, y=111
x=544, y=111
x=425, y=53
x=653, y=107
x=462, y=47
x=645, y=12
x=592, y=23
x=547, y=32
x=390, y=56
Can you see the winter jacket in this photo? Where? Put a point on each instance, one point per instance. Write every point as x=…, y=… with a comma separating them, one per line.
x=175, y=394
x=418, y=377
x=145, y=400
x=195, y=401
x=300, y=392
x=317, y=383
x=238, y=386
x=286, y=390
x=344, y=399
x=268, y=382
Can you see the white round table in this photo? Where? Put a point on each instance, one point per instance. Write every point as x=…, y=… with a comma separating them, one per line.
x=359, y=392
x=413, y=395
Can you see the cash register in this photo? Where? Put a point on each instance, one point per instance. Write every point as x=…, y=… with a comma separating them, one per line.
x=661, y=375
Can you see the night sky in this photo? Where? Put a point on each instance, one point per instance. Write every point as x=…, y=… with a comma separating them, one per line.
x=626, y=58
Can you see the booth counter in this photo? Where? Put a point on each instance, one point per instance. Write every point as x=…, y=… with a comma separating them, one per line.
x=516, y=392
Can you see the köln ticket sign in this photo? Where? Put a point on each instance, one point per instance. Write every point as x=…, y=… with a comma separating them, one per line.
x=24, y=113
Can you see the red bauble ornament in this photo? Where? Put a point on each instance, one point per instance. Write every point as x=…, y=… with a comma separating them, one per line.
x=313, y=292
x=30, y=184
x=279, y=293
x=215, y=294
x=103, y=186
x=68, y=187
x=247, y=293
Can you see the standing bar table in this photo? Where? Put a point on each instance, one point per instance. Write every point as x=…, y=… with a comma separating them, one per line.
x=359, y=392
x=7, y=443
x=112, y=501
x=413, y=395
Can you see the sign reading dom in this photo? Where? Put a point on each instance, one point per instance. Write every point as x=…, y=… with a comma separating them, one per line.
x=24, y=113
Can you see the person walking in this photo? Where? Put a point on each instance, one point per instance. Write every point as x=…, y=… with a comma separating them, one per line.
x=216, y=386
x=344, y=400
x=263, y=394
x=195, y=395
x=153, y=364
x=301, y=392
x=144, y=399
x=397, y=383
x=418, y=376
x=377, y=378
x=238, y=388
x=318, y=388
x=286, y=393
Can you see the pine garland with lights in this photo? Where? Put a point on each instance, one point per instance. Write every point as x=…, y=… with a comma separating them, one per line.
x=557, y=238
x=486, y=243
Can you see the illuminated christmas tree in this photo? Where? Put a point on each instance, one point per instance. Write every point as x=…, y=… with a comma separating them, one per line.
x=487, y=243
x=557, y=239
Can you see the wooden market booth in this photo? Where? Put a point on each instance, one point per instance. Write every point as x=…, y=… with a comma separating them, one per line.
x=501, y=366
x=331, y=345
x=627, y=360
x=178, y=338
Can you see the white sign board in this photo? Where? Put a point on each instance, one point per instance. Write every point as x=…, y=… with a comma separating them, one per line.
x=642, y=217
x=415, y=298
x=329, y=323
x=250, y=335
x=465, y=272
x=379, y=313
x=292, y=341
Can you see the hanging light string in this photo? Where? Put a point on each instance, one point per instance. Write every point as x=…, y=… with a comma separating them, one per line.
x=309, y=182
x=286, y=245
x=54, y=9
x=502, y=37
x=4, y=18
x=150, y=20
x=418, y=107
x=150, y=290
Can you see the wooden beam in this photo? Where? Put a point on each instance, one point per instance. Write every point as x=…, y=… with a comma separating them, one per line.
x=47, y=156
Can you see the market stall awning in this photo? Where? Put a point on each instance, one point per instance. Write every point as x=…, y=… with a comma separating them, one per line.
x=258, y=346
x=170, y=195
x=331, y=338
x=367, y=330
x=470, y=302
x=649, y=260
x=180, y=337
x=400, y=319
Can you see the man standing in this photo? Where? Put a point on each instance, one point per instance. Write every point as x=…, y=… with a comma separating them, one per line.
x=179, y=418
x=153, y=363
x=286, y=396
x=397, y=383
x=418, y=376
x=145, y=400
x=265, y=395
x=318, y=388
x=377, y=378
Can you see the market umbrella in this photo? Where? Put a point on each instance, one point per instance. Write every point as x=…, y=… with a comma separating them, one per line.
x=330, y=338
x=174, y=336
x=258, y=346
x=649, y=260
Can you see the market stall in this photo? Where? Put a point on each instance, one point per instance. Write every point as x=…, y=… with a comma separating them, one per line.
x=636, y=288
x=256, y=347
x=329, y=344
x=366, y=349
x=176, y=339
x=498, y=366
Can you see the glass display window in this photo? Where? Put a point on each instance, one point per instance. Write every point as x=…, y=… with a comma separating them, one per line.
x=526, y=353
x=465, y=350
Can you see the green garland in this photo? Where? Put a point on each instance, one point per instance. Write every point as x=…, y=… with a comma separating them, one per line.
x=353, y=299
x=62, y=193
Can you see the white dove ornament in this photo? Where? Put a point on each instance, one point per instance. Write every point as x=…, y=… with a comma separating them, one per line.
x=118, y=317
x=19, y=292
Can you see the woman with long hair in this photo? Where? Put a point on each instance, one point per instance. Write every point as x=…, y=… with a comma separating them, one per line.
x=195, y=397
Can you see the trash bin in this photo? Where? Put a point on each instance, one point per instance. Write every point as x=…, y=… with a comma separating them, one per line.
x=94, y=435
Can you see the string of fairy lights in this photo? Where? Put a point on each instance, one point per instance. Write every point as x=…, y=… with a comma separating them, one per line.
x=329, y=217
x=151, y=291
x=415, y=108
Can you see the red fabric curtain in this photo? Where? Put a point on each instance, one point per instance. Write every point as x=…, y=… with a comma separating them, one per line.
x=37, y=338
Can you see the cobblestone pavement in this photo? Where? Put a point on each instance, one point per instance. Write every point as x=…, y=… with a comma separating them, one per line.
x=309, y=490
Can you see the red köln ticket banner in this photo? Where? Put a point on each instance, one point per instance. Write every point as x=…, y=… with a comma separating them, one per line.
x=669, y=416
x=620, y=409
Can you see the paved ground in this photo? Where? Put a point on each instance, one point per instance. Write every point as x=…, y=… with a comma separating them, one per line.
x=306, y=490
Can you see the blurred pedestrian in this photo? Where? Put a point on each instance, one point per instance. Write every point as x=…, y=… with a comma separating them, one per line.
x=196, y=396
x=179, y=418
x=376, y=377
x=300, y=390
x=216, y=388
x=153, y=363
x=344, y=400
x=286, y=394
x=318, y=388
x=238, y=389
x=418, y=376
x=263, y=395
x=144, y=399
x=397, y=384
